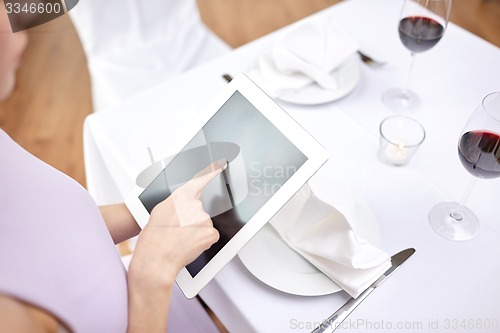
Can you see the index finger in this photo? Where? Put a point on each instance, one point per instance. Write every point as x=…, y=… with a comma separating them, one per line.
x=203, y=177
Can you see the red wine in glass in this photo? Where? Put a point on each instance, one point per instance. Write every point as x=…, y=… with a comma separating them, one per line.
x=479, y=153
x=421, y=25
x=419, y=33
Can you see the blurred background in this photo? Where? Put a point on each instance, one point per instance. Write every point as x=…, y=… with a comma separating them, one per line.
x=52, y=97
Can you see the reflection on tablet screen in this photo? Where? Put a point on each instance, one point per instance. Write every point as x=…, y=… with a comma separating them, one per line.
x=260, y=160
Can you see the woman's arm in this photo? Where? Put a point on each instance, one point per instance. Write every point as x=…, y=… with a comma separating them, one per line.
x=19, y=317
x=120, y=222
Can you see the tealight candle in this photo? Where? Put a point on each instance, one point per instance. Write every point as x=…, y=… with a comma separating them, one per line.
x=400, y=137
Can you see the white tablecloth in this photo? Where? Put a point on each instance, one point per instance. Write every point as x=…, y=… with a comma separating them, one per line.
x=445, y=286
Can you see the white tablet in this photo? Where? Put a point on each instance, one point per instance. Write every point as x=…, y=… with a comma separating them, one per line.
x=270, y=156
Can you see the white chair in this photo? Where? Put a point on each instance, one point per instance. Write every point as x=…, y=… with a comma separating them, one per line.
x=134, y=44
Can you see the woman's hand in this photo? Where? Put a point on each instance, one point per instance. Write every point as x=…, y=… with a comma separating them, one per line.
x=179, y=230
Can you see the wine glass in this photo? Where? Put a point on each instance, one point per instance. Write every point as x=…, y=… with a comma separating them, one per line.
x=422, y=23
x=479, y=152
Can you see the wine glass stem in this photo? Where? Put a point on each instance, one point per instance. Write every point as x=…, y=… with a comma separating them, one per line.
x=408, y=76
x=456, y=214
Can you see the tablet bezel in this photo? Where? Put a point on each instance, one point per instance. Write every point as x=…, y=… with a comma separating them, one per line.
x=315, y=154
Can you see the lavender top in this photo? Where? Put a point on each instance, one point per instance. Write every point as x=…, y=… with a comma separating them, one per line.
x=55, y=250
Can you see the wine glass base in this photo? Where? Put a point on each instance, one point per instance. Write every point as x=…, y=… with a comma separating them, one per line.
x=400, y=100
x=448, y=227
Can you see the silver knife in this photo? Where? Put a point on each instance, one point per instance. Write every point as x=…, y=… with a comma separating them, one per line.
x=334, y=321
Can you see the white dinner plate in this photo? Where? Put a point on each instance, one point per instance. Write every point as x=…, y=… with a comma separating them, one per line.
x=347, y=77
x=274, y=263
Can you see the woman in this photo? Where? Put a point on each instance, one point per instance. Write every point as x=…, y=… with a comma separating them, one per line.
x=59, y=268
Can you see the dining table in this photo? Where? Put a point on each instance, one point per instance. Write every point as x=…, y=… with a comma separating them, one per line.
x=446, y=286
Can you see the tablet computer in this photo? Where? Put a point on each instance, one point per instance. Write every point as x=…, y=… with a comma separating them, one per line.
x=270, y=157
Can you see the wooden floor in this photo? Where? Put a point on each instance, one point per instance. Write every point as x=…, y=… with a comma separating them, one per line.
x=52, y=98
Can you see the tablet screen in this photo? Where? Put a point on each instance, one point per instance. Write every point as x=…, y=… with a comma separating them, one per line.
x=260, y=160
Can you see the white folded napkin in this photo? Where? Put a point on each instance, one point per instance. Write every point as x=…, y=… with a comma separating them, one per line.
x=322, y=234
x=308, y=53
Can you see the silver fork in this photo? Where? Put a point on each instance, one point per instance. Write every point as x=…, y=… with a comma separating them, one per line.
x=365, y=58
x=369, y=60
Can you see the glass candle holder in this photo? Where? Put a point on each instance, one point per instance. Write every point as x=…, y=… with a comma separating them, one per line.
x=400, y=137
